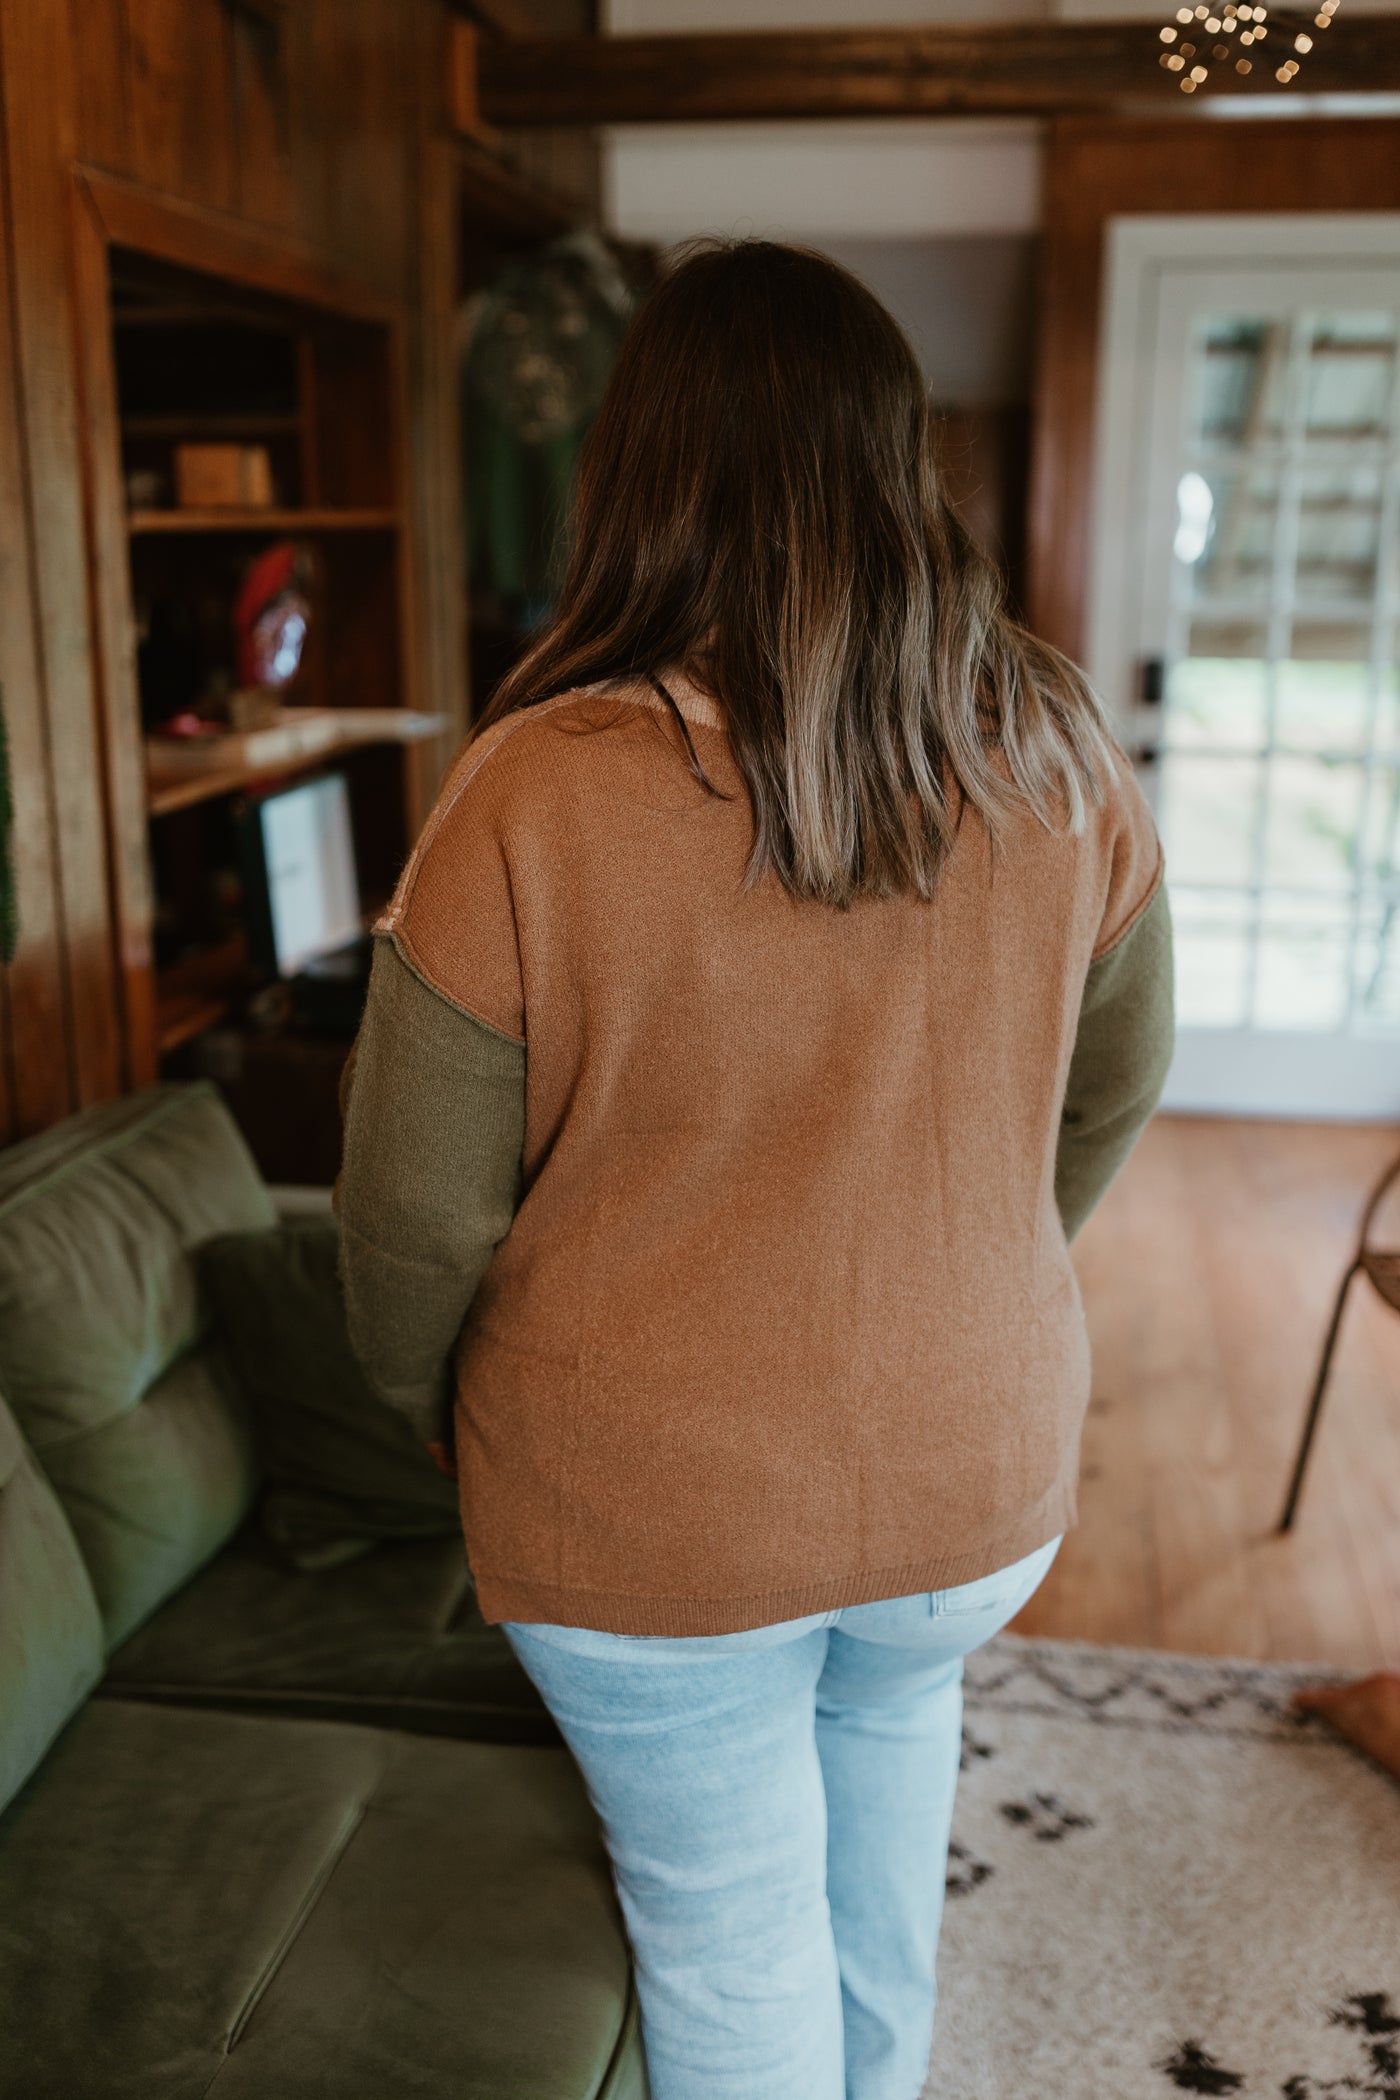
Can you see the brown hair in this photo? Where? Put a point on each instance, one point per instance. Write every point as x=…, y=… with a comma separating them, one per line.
x=759, y=506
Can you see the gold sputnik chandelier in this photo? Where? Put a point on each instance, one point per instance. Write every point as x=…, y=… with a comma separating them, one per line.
x=1232, y=34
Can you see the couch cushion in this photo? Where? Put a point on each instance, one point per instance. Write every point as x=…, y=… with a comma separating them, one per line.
x=291, y=1908
x=50, y=1632
x=103, y=1354
x=394, y=1638
x=343, y=1468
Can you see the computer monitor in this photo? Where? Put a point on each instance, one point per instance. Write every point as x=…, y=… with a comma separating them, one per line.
x=303, y=868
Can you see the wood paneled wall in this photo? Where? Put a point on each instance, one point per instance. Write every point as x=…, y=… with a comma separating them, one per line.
x=65, y=1025
x=299, y=118
x=1097, y=171
x=561, y=160
x=315, y=127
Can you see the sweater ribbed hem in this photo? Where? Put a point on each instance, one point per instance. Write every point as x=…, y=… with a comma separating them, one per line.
x=520, y=1598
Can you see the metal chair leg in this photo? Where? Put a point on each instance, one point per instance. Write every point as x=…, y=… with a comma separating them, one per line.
x=1315, y=1404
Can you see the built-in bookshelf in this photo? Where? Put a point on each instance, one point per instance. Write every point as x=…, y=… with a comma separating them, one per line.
x=309, y=394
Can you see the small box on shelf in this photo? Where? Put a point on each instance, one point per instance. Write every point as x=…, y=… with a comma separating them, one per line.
x=223, y=476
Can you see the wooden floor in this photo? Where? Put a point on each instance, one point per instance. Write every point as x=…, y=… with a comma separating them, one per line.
x=1208, y=1274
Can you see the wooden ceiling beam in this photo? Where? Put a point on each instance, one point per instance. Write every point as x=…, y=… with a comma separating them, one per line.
x=1022, y=69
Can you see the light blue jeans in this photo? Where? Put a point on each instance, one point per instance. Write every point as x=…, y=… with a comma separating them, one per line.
x=776, y=1805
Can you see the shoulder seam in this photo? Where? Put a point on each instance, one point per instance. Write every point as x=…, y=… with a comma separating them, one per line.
x=1100, y=954
x=476, y=756
x=398, y=941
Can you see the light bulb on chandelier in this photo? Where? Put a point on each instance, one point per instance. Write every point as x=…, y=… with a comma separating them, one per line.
x=1250, y=24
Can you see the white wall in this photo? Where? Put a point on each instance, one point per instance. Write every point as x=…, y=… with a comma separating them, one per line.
x=897, y=177
x=967, y=307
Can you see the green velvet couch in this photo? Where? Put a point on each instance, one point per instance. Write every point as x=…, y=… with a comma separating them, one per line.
x=261, y=1833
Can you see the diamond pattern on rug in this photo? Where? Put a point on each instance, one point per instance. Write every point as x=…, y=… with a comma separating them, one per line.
x=1046, y=1817
x=1167, y=1882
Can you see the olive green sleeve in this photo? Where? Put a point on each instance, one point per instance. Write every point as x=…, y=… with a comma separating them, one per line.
x=1121, y=1053
x=434, y=1109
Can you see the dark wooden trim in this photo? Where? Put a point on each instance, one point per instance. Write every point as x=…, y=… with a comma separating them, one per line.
x=35, y=1079
x=118, y=709
x=516, y=210
x=1002, y=69
x=197, y=237
x=1096, y=172
x=273, y=12
x=38, y=121
x=460, y=73
x=435, y=452
x=406, y=546
x=504, y=17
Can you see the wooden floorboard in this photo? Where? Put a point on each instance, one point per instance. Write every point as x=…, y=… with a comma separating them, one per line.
x=1208, y=1275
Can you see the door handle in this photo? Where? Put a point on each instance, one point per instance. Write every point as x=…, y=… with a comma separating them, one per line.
x=1151, y=680
x=1151, y=684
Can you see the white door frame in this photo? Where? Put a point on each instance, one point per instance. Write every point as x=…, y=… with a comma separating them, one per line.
x=1140, y=251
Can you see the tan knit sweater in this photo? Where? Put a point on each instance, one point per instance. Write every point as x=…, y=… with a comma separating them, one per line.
x=765, y=1302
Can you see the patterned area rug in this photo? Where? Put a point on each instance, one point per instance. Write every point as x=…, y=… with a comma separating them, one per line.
x=1164, y=1882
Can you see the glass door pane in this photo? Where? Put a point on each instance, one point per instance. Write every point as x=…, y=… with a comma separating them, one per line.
x=1277, y=781
x=1248, y=553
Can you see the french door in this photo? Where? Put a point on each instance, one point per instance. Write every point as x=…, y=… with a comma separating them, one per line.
x=1244, y=603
